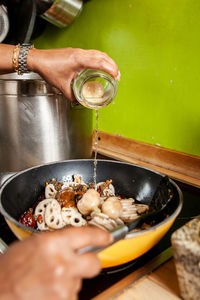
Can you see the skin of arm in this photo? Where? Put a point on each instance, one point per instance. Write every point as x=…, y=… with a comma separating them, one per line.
x=46, y=266
x=60, y=66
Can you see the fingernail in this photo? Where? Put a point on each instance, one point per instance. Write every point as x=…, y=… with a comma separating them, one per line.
x=118, y=76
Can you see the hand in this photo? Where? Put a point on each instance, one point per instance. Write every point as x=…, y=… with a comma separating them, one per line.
x=60, y=66
x=46, y=266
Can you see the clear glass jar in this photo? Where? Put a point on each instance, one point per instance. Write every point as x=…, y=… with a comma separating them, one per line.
x=94, y=89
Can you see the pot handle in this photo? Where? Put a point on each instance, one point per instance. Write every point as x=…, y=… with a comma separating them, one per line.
x=3, y=246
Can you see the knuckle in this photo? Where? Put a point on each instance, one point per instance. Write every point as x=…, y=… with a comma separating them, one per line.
x=102, y=63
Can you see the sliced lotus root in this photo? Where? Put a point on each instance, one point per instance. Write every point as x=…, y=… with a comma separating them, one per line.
x=93, y=223
x=77, y=221
x=67, y=213
x=103, y=220
x=71, y=216
x=119, y=221
x=131, y=210
x=50, y=191
x=39, y=213
x=97, y=214
x=53, y=216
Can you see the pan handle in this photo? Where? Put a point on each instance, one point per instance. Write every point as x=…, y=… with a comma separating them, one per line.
x=118, y=234
x=3, y=246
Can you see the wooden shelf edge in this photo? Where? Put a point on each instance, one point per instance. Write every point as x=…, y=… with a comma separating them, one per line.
x=177, y=165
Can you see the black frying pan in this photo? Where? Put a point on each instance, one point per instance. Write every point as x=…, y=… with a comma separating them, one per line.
x=19, y=193
x=22, y=190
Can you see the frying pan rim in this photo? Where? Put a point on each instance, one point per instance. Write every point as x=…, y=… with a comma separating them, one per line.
x=129, y=235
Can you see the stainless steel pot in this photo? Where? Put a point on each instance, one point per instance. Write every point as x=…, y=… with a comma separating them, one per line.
x=38, y=125
x=61, y=12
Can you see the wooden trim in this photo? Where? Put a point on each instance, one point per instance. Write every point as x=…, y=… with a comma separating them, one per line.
x=177, y=165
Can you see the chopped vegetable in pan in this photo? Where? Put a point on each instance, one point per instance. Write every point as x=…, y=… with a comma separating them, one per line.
x=77, y=204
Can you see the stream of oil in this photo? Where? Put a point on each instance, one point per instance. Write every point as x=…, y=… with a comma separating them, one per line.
x=96, y=149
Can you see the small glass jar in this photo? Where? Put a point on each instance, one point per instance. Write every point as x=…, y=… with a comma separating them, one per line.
x=94, y=89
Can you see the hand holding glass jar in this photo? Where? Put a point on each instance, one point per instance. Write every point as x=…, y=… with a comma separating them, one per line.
x=60, y=68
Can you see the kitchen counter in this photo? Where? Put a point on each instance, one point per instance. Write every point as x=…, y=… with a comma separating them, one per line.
x=162, y=283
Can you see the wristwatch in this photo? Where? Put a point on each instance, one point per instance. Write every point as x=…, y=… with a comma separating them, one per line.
x=22, y=59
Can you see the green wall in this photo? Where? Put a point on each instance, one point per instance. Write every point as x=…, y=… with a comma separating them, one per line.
x=156, y=44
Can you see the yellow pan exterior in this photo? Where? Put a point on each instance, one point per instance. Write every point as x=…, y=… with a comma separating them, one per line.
x=123, y=251
x=131, y=248
x=20, y=233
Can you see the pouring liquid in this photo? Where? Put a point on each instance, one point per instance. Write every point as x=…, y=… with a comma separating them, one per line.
x=96, y=149
x=95, y=95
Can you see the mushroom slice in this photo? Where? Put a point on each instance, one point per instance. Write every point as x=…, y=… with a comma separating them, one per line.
x=53, y=217
x=50, y=191
x=89, y=202
x=112, y=207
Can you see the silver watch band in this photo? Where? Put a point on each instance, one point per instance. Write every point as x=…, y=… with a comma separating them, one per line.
x=22, y=60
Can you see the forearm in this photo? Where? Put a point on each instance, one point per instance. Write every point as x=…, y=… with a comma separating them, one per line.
x=6, y=55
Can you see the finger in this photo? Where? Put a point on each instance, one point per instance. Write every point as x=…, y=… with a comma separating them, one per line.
x=89, y=236
x=98, y=60
x=103, y=55
x=77, y=238
x=107, y=58
x=107, y=67
x=67, y=90
x=87, y=265
x=104, y=65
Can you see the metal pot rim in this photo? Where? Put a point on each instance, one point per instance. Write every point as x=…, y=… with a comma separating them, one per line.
x=27, y=76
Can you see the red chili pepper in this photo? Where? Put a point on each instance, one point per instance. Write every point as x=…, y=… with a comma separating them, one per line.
x=99, y=190
x=39, y=219
x=28, y=220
